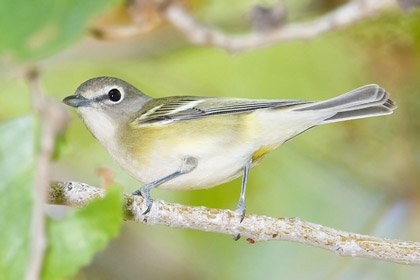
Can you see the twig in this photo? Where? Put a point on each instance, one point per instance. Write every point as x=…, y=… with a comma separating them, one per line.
x=254, y=228
x=54, y=120
x=199, y=33
x=143, y=18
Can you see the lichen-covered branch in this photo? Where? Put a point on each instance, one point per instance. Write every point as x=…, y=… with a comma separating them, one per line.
x=254, y=228
x=201, y=34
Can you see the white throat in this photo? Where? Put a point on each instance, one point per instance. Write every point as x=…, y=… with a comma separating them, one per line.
x=100, y=125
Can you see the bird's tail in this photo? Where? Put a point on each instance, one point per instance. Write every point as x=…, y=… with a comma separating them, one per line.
x=364, y=102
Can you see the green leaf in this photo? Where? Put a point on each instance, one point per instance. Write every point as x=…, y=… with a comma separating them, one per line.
x=35, y=29
x=61, y=146
x=74, y=240
x=16, y=190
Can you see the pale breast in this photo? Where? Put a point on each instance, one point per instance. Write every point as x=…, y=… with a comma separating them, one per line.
x=154, y=152
x=222, y=146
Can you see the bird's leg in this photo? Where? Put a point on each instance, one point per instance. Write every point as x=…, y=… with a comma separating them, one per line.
x=189, y=164
x=240, y=207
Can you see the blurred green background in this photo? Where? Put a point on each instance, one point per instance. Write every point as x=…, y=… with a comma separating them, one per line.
x=361, y=176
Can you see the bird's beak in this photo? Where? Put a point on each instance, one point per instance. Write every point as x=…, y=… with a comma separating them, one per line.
x=76, y=101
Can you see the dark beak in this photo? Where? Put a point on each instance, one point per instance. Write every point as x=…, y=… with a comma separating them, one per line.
x=76, y=101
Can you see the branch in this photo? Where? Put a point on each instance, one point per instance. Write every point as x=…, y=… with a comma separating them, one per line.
x=254, y=228
x=54, y=120
x=200, y=34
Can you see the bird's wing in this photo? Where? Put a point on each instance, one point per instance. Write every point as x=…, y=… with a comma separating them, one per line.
x=182, y=108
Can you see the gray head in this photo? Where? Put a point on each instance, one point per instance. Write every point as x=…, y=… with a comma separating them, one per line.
x=105, y=103
x=107, y=94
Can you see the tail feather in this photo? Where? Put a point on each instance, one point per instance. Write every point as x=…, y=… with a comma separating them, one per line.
x=364, y=102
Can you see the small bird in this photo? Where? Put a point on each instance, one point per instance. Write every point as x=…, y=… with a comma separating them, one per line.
x=190, y=142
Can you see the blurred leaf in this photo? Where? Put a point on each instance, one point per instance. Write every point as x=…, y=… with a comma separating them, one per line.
x=16, y=185
x=74, y=240
x=390, y=31
x=35, y=29
x=61, y=146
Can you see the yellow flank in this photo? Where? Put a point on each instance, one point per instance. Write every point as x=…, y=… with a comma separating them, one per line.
x=200, y=134
x=221, y=144
x=258, y=155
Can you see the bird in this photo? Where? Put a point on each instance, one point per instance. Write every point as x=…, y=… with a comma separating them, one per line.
x=193, y=142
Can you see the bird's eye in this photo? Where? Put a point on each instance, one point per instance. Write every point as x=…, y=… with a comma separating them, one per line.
x=114, y=95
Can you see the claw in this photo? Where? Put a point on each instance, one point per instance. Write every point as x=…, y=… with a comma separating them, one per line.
x=241, y=210
x=145, y=193
x=236, y=237
x=149, y=204
x=137, y=192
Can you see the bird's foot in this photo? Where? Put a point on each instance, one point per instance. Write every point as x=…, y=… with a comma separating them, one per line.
x=240, y=210
x=148, y=200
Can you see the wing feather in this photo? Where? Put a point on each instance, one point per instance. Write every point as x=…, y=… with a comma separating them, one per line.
x=181, y=108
